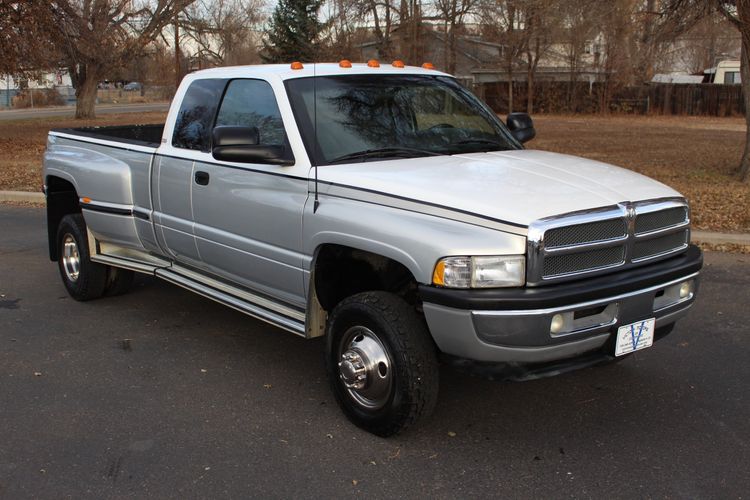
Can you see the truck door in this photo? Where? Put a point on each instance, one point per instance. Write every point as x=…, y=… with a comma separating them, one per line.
x=248, y=217
x=174, y=167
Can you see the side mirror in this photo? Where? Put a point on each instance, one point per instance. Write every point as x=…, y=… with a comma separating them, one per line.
x=521, y=126
x=240, y=145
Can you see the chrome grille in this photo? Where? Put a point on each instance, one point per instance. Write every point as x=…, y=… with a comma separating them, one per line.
x=600, y=240
x=652, y=221
x=580, y=234
x=657, y=246
x=557, y=265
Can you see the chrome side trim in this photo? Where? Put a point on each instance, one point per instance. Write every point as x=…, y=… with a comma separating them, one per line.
x=124, y=263
x=241, y=294
x=251, y=309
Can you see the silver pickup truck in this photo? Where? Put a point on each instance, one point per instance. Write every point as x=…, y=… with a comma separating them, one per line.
x=386, y=208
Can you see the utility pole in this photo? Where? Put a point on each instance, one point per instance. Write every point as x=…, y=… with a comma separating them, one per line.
x=177, y=65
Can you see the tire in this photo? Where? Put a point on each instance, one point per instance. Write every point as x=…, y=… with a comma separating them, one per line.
x=119, y=281
x=379, y=346
x=83, y=279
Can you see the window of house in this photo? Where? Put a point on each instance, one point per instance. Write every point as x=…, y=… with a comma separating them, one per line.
x=192, y=128
x=731, y=77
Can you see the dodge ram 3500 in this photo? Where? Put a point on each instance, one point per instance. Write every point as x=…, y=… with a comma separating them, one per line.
x=384, y=207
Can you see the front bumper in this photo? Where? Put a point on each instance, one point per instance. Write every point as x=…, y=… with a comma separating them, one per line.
x=513, y=326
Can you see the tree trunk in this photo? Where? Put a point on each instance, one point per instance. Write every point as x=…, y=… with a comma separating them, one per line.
x=744, y=170
x=86, y=95
x=510, y=89
x=530, y=89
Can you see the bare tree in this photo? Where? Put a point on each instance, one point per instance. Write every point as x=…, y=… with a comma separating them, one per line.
x=24, y=42
x=452, y=13
x=95, y=36
x=678, y=16
x=225, y=32
x=738, y=13
x=504, y=21
x=542, y=26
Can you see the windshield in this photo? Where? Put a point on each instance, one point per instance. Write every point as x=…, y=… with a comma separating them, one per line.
x=361, y=117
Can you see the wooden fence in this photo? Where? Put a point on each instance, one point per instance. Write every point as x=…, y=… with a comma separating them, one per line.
x=654, y=98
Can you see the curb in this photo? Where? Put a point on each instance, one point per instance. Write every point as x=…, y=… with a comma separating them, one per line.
x=720, y=238
x=711, y=237
x=22, y=196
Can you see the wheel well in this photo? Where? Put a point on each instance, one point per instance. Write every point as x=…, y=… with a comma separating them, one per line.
x=341, y=271
x=62, y=200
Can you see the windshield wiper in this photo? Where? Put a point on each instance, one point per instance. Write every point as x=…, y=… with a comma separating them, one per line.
x=481, y=141
x=385, y=153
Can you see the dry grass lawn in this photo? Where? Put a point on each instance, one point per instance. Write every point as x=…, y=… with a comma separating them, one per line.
x=695, y=155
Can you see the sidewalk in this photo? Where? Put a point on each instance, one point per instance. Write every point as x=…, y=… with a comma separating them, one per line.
x=714, y=238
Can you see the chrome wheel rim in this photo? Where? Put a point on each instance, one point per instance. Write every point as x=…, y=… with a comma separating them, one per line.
x=365, y=368
x=71, y=259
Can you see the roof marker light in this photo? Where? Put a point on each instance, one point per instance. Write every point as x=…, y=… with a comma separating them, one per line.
x=86, y=199
x=428, y=65
x=345, y=63
x=297, y=65
x=398, y=64
x=373, y=63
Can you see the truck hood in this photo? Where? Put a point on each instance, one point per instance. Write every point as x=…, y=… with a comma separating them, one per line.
x=518, y=187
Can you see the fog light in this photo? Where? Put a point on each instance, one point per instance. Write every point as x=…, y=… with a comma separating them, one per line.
x=685, y=289
x=557, y=323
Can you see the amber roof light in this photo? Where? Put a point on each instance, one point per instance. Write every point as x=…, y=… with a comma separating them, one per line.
x=428, y=65
x=297, y=65
x=398, y=64
x=345, y=63
x=373, y=63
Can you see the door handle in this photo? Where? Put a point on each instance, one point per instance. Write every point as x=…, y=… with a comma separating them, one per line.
x=201, y=178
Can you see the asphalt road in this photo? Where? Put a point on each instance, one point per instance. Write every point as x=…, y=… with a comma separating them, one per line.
x=205, y=402
x=102, y=109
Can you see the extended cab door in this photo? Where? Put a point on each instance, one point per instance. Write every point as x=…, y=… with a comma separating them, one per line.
x=174, y=167
x=248, y=217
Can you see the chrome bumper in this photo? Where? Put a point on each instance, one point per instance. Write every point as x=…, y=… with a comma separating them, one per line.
x=526, y=336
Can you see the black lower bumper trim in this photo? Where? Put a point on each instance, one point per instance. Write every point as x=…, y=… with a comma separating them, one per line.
x=567, y=293
x=520, y=372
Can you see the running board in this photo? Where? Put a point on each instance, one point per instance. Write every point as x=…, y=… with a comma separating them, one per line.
x=250, y=304
x=124, y=263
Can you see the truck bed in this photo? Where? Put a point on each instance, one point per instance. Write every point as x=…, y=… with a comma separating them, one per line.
x=142, y=135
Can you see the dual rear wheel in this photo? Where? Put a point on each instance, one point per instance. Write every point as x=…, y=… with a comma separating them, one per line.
x=84, y=279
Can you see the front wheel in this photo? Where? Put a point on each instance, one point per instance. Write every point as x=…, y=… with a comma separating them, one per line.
x=381, y=362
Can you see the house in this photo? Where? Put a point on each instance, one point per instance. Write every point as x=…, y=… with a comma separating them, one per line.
x=433, y=44
x=59, y=80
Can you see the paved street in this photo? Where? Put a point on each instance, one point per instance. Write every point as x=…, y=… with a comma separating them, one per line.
x=203, y=401
x=102, y=109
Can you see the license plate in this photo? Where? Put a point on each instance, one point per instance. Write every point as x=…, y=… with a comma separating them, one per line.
x=635, y=336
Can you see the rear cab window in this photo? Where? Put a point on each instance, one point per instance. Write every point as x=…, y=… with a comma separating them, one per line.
x=195, y=119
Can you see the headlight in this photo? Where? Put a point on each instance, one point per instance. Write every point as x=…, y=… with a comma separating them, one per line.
x=480, y=272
